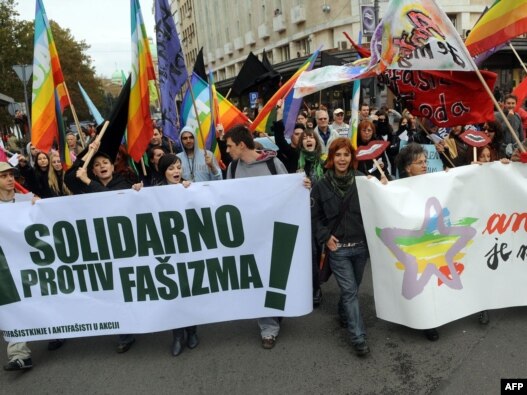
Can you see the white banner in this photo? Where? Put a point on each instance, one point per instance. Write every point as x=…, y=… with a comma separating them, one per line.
x=161, y=258
x=448, y=244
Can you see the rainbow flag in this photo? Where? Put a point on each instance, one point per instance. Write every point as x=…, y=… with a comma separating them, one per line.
x=505, y=20
x=412, y=35
x=227, y=113
x=264, y=119
x=140, y=129
x=48, y=81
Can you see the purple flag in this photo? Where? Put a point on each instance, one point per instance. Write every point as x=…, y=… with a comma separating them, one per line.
x=172, y=70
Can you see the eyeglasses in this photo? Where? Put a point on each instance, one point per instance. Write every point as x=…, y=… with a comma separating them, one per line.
x=340, y=114
x=419, y=163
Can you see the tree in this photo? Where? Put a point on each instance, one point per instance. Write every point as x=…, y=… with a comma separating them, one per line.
x=16, y=43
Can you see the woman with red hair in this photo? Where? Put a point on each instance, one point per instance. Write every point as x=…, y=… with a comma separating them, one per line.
x=337, y=224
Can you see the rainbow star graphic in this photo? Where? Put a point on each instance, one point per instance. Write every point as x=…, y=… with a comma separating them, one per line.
x=431, y=250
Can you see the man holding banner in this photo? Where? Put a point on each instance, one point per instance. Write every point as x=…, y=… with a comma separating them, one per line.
x=18, y=353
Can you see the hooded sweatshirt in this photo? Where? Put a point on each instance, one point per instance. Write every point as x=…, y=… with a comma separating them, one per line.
x=195, y=169
x=257, y=168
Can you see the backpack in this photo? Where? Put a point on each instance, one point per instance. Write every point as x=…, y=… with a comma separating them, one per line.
x=270, y=164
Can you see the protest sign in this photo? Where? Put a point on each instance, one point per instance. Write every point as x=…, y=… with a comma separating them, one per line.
x=161, y=258
x=449, y=244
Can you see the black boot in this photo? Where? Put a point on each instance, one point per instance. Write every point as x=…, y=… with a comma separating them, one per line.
x=177, y=344
x=192, y=337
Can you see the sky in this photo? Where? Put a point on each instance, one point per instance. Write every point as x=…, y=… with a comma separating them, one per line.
x=102, y=24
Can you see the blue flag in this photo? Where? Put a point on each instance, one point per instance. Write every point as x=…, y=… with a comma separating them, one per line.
x=172, y=70
x=91, y=107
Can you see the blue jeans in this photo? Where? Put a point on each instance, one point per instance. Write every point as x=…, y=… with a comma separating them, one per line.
x=348, y=265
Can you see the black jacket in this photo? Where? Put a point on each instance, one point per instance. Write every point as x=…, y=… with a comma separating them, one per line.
x=325, y=209
x=77, y=187
x=287, y=154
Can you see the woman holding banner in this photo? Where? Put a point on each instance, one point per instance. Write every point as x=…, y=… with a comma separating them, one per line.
x=170, y=169
x=337, y=224
x=310, y=161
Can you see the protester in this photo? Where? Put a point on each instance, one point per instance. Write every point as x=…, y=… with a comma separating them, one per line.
x=18, y=354
x=171, y=170
x=198, y=164
x=366, y=134
x=288, y=152
x=122, y=165
x=56, y=174
x=495, y=133
x=337, y=224
x=338, y=125
x=247, y=162
x=159, y=140
x=364, y=113
x=514, y=119
x=153, y=176
x=324, y=131
x=101, y=179
x=302, y=118
x=310, y=161
x=453, y=148
x=310, y=123
x=74, y=147
x=36, y=178
x=411, y=161
x=12, y=142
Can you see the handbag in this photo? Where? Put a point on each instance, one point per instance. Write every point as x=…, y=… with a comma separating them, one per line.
x=323, y=266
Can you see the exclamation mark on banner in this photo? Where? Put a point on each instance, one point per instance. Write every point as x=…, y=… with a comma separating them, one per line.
x=8, y=292
x=284, y=240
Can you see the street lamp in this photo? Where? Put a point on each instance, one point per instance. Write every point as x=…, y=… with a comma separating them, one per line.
x=24, y=71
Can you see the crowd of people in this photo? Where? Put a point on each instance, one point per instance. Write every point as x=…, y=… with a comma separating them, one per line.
x=319, y=148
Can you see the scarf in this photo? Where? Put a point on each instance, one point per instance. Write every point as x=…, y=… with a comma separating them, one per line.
x=341, y=184
x=313, y=160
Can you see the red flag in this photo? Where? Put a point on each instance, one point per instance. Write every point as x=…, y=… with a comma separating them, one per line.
x=363, y=52
x=447, y=98
x=521, y=93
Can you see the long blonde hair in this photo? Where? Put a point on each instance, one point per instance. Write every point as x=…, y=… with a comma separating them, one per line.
x=53, y=181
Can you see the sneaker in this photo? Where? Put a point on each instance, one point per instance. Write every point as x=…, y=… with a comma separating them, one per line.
x=19, y=364
x=483, y=317
x=268, y=342
x=361, y=349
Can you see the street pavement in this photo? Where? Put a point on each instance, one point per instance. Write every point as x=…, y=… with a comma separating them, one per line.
x=312, y=356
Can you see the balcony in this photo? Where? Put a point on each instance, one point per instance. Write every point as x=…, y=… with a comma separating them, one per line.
x=298, y=14
x=238, y=43
x=249, y=38
x=219, y=53
x=279, y=23
x=263, y=31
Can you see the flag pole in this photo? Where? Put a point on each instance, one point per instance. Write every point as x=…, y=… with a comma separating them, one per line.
x=475, y=68
x=91, y=151
x=496, y=104
x=428, y=132
x=77, y=124
x=518, y=57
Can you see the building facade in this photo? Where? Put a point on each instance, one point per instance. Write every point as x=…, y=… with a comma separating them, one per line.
x=289, y=30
